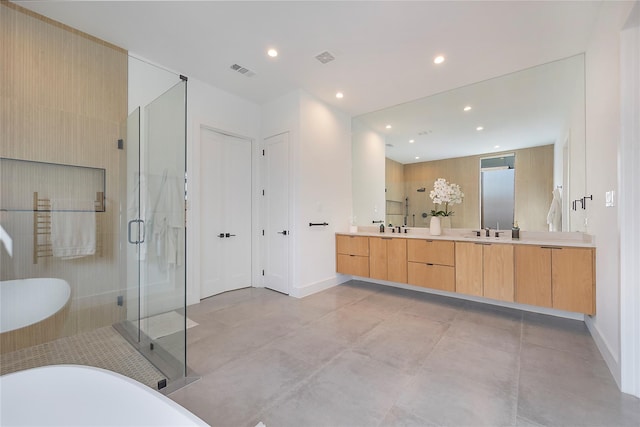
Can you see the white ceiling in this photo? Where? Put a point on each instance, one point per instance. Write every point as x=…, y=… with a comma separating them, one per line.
x=384, y=50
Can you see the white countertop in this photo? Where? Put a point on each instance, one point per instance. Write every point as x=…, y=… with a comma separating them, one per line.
x=574, y=239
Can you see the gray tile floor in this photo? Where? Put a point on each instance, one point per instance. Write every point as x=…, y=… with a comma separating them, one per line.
x=361, y=354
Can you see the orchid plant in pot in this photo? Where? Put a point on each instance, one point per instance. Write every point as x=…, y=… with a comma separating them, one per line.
x=446, y=194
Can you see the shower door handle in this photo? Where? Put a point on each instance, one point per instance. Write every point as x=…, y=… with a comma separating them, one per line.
x=283, y=232
x=138, y=221
x=229, y=235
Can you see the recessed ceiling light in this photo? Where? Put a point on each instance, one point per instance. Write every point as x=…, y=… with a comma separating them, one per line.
x=467, y=108
x=479, y=128
x=411, y=141
x=388, y=126
x=339, y=95
x=272, y=53
x=496, y=146
x=438, y=59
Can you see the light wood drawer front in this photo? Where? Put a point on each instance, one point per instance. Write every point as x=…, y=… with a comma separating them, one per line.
x=397, y=260
x=354, y=265
x=352, y=245
x=469, y=268
x=432, y=276
x=572, y=278
x=498, y=272
x=533, y=275
x=378, y=258
x=431, y=251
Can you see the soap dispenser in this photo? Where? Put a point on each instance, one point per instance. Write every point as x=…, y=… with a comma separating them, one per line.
x=515, y=231
x=382, y=228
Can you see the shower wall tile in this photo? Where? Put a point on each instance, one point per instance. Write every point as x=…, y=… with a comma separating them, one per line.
x=63, y=99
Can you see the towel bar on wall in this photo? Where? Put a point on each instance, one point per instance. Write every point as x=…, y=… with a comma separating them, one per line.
x=314, y=224
x=42, y=247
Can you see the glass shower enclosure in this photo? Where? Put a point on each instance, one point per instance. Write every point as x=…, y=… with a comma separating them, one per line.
x=152, y=216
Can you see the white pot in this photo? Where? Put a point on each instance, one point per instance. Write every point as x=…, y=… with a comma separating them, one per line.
x=434, y=226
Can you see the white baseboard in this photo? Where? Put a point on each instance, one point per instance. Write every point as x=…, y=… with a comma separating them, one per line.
x=310, y=289
x=612, y=362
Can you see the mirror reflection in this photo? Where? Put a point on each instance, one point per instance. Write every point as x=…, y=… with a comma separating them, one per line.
x=530, y=125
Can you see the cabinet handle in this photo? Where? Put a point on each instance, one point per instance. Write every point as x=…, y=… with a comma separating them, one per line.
x=429, y=241
x=551, y=247
x=429, y=264
x=483, y=244
x=386, y=238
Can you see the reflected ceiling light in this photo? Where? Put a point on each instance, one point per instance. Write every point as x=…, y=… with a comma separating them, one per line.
x=438, y=59
x=496, y=146
x=411, y=141
x=339, y=95
x=479, y=128
x=272, y=53
x=467, y=108
x=388, y=126
x=417, y=157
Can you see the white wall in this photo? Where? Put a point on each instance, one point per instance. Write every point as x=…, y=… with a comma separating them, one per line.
x=603, y=137
x=323, y=193
x=320, y=171
x=629, y=160
x=368, y=174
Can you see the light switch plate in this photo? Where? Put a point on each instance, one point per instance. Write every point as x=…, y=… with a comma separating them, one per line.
x=610, y=198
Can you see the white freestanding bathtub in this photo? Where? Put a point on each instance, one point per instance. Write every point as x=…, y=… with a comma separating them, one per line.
x=73, y=395
x=32, y=311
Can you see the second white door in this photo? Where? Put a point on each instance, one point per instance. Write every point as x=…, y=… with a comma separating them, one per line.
x=225, y=212
x=276, y=209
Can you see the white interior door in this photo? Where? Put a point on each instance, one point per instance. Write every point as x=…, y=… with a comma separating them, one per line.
x=277, y=231
x=225, y=216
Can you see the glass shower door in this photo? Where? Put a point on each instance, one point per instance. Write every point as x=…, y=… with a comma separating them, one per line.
x=163, y=266
x=154, y=223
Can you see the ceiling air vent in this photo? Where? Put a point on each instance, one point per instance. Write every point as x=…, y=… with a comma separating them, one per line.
x=242, y=70
x=325, y=57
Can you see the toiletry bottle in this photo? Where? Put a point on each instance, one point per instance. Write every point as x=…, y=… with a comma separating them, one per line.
x=382, y=228
x=515, y=231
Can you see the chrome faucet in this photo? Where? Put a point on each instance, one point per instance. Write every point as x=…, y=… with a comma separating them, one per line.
x=487, y=232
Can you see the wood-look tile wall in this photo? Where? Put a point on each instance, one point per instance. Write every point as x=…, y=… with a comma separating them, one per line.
x=533, y=187
x=63, y=99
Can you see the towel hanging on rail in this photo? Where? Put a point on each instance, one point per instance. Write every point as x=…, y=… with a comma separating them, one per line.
x=73, y=228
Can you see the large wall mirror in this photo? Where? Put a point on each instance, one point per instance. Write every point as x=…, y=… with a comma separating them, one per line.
x=531, y=122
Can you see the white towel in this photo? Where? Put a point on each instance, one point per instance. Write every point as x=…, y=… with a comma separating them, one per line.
x=73, y=228
x=554, y=216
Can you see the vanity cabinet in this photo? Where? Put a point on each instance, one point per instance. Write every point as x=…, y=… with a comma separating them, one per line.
x=352, y=255
x=431, y=264
x=485, y=269
x=556, y=276
x=388, y=259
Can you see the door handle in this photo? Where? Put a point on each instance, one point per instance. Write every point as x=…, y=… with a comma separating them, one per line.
x=229, y=235
x=138, y=221
x=283, y=232
x=221, y=235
